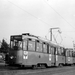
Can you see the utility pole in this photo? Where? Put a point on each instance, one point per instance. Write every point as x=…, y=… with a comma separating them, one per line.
x=51, y=32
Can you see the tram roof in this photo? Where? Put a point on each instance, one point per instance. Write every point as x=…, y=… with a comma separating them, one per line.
x=70, y=49
x=28, y=35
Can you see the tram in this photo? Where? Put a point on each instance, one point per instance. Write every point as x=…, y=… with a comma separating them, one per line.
x=70, y=56
x=31, y=50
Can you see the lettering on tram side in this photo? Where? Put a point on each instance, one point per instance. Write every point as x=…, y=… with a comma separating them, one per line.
x=25, y=56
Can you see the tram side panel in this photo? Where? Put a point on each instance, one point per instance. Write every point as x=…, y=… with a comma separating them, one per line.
x=38, y=54
x=36, y=58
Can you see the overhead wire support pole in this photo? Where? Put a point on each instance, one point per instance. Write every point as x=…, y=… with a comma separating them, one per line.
x=51, y=32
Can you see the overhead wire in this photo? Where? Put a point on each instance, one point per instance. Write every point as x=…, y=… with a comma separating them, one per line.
x=59, y=14
x=37, y=17
x=28, y=12
x=55, y=38
x=61, y=17
x=41, y=19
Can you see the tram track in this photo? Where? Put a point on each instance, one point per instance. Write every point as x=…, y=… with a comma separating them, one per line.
x=27, y=71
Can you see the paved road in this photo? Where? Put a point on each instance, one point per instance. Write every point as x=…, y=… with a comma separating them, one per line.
x=68, y=70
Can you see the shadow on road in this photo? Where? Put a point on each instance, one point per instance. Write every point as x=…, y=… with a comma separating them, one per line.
x=3, y=66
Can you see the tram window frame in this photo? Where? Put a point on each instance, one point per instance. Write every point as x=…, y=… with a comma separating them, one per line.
x=39, y=43
x=31, y=44
x=45, y=47
x=25, y=45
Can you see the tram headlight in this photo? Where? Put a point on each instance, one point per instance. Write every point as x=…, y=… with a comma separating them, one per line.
x=11, y=57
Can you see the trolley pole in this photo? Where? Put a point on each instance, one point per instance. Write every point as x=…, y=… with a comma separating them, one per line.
x=51, y=32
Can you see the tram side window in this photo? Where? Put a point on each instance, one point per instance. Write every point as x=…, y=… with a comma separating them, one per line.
x=52, y=50
x=20, y=44
x=49, y=49
x=38, y=46
x=44, y=47
x=62, y=51
x=12, y=44
x=73, y=54
x=70, y=53
x=67, y=53
x=56, y=51
x=31, y=45
x=24, y=44
x=59, y=51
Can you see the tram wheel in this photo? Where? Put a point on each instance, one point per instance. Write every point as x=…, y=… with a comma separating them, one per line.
x=60, y=65
x=34, y=66
x=43, y=66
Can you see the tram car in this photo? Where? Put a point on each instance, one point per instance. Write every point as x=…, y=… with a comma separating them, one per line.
x=69, y=56
x=30, y=50
x=74, y=57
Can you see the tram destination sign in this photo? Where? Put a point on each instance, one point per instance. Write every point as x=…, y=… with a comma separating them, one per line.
x=18, y=37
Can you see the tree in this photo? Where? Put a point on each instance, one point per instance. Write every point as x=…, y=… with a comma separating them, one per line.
x=4, y=46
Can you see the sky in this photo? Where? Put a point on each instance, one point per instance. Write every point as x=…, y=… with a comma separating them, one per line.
x=37, y=17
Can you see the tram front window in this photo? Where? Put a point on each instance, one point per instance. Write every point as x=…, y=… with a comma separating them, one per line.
x=16, y=43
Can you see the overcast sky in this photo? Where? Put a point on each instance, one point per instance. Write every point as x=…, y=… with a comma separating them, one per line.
x=37, y=17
